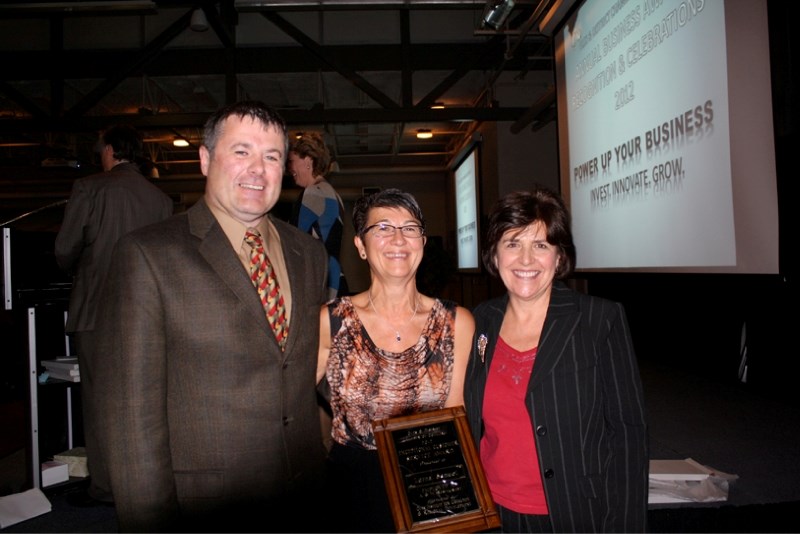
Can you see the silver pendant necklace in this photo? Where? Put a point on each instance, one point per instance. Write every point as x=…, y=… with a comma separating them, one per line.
x=396, y=332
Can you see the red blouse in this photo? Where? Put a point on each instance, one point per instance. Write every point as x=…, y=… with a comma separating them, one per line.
x=508, y=449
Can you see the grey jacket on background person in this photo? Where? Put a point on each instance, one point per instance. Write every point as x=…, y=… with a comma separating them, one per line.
x=102, y=208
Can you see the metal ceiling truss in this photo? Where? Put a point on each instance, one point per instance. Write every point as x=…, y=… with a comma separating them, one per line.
x=493, y=55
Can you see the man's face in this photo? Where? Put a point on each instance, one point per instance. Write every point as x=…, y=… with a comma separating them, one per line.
x=245, y=171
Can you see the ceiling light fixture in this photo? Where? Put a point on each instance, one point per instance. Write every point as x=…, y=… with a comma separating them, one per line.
x=424, y=134
x=199, y=21
x=437, y=105
x=496, y=12
x=180, y=142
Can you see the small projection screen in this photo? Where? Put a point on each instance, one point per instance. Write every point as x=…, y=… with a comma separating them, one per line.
x=666, y=140
x=466, y=180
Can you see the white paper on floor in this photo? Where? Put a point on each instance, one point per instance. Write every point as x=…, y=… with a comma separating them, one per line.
x=22, y=506
x=680, y=481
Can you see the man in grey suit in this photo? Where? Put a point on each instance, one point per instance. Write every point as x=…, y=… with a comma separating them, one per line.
x=101, y=208
x=210, y=424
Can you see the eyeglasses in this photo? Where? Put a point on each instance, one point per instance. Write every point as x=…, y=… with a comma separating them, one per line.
x=413, y=231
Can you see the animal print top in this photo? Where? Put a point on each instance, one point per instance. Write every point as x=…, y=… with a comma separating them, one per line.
x=368, y=383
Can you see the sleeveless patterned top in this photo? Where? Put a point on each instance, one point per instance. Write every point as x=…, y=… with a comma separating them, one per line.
x=368, y=383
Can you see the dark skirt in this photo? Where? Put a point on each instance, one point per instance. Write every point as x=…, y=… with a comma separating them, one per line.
x=358, y=488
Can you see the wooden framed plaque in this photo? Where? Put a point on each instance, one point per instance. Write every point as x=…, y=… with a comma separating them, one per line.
x=434, y=478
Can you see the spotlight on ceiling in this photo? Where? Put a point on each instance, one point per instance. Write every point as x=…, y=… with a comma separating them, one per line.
x=496, y=12
x=437, y=105
x=199, y=21
x=180, y=142
x=424, y=134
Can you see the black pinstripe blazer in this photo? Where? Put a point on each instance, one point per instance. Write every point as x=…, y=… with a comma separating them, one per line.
x=587, y=410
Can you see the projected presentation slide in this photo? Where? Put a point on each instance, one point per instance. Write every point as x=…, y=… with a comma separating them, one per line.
x=466, y=187
x=645, y=111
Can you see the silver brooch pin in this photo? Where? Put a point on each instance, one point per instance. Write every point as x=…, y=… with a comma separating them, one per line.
x=482, y=341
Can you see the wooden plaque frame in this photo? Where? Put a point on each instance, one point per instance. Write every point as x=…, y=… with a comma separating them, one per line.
x=434, y=478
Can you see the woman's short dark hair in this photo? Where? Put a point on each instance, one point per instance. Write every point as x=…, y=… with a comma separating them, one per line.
x=385, y=198
x=312, y=144
x=256, y=110
x=520, y=209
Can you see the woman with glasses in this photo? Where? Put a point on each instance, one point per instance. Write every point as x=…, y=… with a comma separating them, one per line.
x=385, y=352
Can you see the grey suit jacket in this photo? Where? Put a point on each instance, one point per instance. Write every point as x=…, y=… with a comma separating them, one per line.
x=204, y=415
x=587, y=410
x=102, y=208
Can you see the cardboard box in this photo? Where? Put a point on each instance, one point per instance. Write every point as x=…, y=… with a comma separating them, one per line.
x=76, y=460
x=54, y=472
x=686, y=469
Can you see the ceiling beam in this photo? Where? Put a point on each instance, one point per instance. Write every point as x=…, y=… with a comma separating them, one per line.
x=407, y=87
x=22, y=101
x=224, y=32
x=106, y=7
x=292, y=116
x=38, y=65
x=145, y=55
x=348, y=73
x=488, y=52
x=537, y=111
x=342, y=5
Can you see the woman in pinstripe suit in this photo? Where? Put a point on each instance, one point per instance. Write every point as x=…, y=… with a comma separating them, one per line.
x=553, y=391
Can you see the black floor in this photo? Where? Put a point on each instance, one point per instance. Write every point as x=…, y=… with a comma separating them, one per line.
x=731, y=427
x=716, y=421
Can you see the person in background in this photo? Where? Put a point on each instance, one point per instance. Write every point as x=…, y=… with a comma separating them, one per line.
x=101, y=208
x=553, y=393
x=385, y=352
x=319, y=209
x=210, y=422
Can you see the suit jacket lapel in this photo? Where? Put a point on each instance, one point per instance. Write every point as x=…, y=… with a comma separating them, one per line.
x=293, y=256
x=559, y=326
x=216, y=249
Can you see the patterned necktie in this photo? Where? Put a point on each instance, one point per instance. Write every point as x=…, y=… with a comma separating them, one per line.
x=263, y=277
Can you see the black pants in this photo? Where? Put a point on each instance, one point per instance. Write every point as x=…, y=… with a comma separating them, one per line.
x=515, y=522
